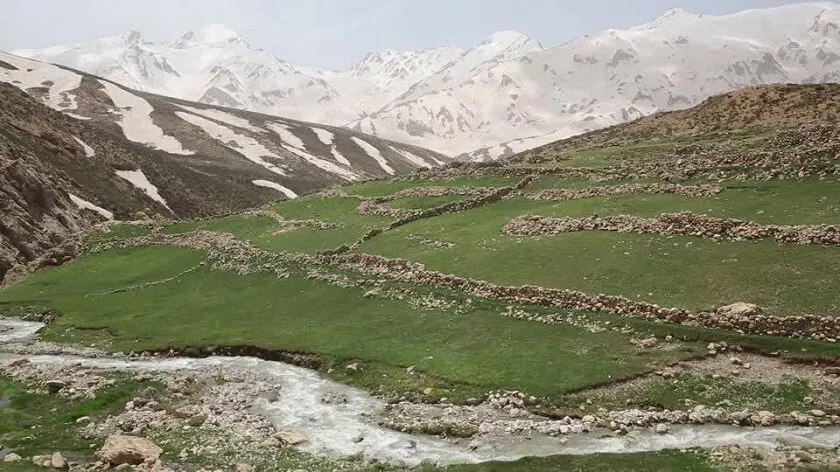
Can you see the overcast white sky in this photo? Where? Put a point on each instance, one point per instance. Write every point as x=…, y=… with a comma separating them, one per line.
x=337, y=33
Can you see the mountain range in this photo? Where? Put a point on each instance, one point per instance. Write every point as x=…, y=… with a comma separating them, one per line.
x=77, y=149
x=502, y=96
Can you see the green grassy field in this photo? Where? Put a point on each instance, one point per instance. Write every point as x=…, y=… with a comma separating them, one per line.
x=210, y=308
x=266, y=233
x=463, y=346
x=782, y=203
x=685, y=272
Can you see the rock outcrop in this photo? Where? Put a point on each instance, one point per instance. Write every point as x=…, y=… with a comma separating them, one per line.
x=132, y=450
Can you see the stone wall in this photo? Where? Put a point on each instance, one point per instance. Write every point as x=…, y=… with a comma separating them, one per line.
x=681, y=224
x=227, y=253
x=373, y=206
x=559, y=195
x=803, y=326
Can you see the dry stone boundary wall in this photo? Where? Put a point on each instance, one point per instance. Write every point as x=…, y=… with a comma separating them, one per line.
x=560, y=195
x=681, y=224
x=227, y=253
x=482, y=199
x=800, y=326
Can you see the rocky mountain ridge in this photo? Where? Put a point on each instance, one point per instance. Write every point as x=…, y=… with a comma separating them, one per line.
x=76, y=150
x=500, y=97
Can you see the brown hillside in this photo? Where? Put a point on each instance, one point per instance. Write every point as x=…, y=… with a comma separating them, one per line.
x=765, y=107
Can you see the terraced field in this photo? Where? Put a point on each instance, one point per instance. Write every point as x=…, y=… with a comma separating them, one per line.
x=514, y=306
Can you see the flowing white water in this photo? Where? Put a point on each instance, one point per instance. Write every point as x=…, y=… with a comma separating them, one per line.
x=334, y=429
x=18, y=330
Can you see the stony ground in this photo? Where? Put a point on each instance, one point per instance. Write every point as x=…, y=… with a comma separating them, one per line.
x=696, y=285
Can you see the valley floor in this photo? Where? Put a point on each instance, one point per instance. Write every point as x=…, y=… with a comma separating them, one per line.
x=480, y=310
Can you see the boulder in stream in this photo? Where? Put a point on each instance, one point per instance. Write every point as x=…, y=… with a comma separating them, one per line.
x=291, y=437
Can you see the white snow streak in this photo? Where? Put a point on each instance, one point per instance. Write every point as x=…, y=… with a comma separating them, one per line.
x=139, y=180
x=339, y=157
x=328, y=138
x=33, y=74
x=413, y=158
x=436, y=160
x=296, y=146
x=269, y=184
x=247, y=146
x=374, y=153
x=78, y=117
x=89, y=152
x=325, y=136
x=222, y=116
x=286, y=135
x=86, y=205
x=137, y=124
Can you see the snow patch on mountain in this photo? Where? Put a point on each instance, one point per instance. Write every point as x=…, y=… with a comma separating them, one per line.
x=136, y=122
x=139, y=180
x=224, y=117
x=413, y=158
x=89, y=152
x=373, y=152
x=328, y=138
x=497, y=96
x=83, y=204
x=77, y=117
x=248, y=147
x=296, y=146
x=273, y=185
x=286, y=135
x=57, y=82
x=324, y=136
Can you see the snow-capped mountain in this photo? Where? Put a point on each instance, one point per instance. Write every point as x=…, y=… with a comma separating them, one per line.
x=231, y=156
x=502, y=96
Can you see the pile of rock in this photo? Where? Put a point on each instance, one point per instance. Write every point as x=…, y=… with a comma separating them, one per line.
x=812, y=326
x=73, y=383
x=216, y=417
x=680, y=224
x=506, y=413
x=54, y=461
x=430, y=242
x=579, y=320
x=317, y=225
x=623, y=421
x=376, y=207
x=142, y=415
x=437, y=191
x=291, y=225
x=559, y=195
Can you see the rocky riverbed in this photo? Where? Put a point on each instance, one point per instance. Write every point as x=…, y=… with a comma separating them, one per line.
x=248, y=406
